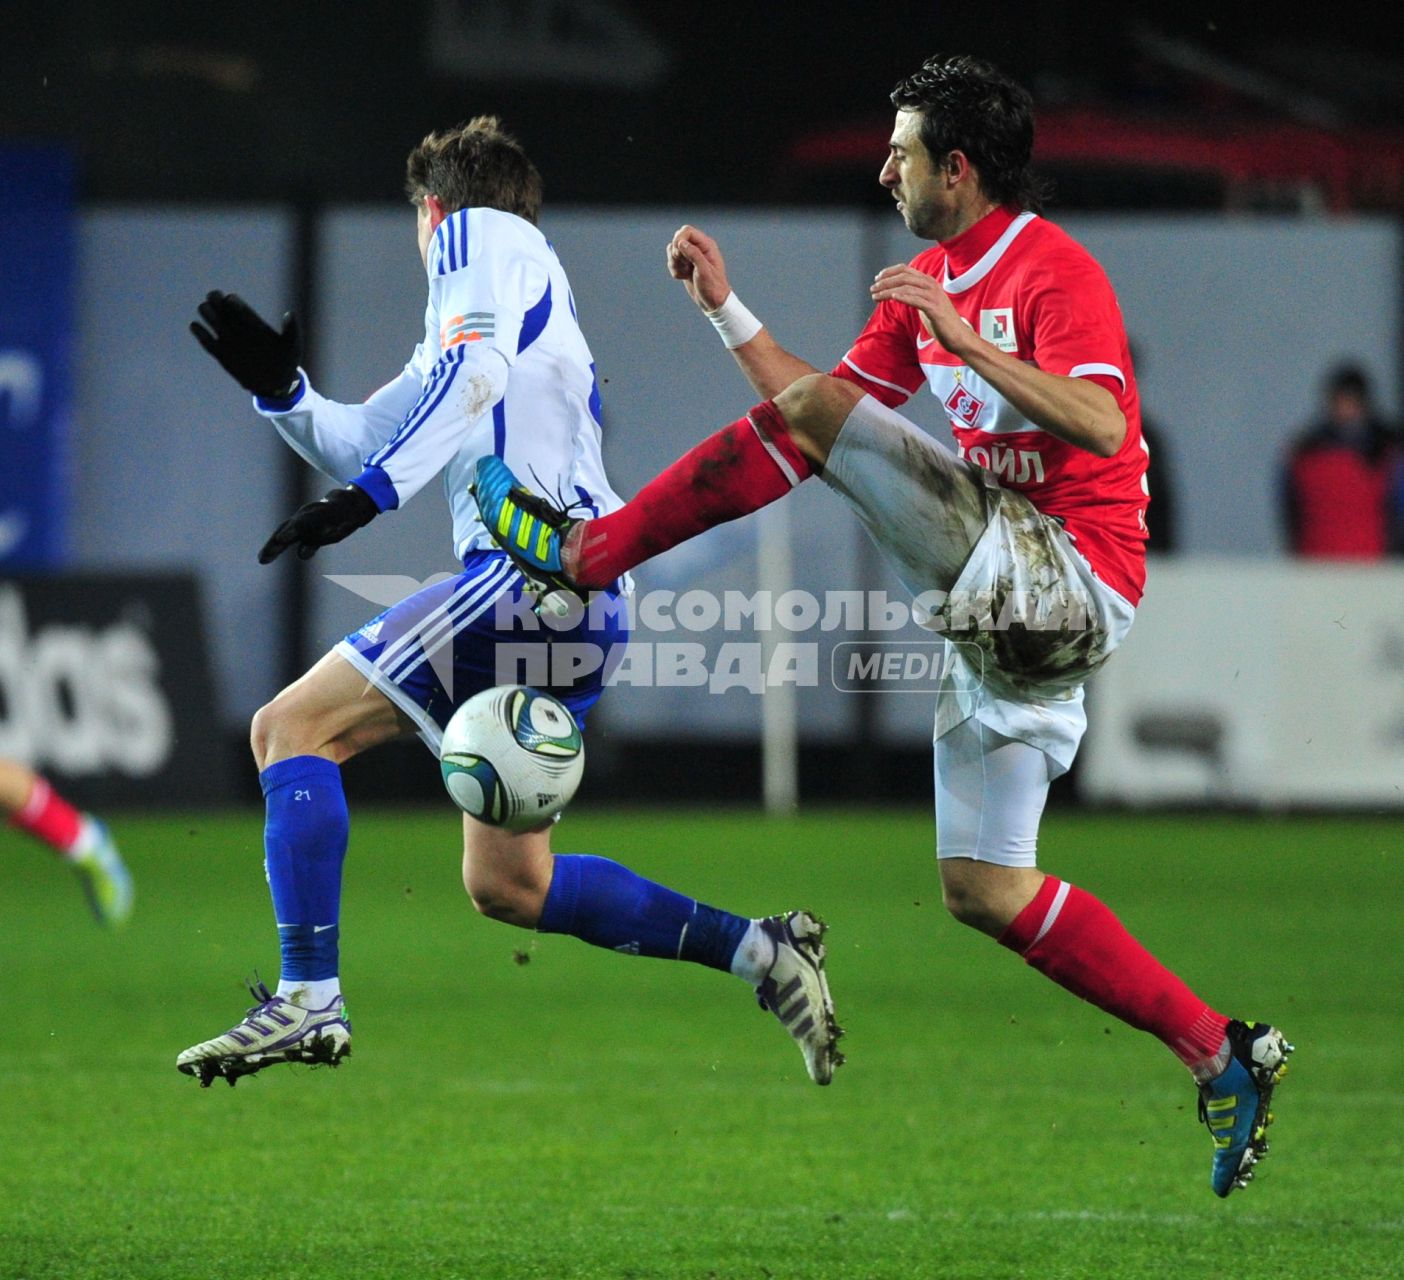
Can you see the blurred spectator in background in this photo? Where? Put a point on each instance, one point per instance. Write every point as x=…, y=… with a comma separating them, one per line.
x=1161, y=536
x=78, y=838
x=1161, y=533
x=1342, y=490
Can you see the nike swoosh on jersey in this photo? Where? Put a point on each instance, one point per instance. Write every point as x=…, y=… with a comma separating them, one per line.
x=922, y=345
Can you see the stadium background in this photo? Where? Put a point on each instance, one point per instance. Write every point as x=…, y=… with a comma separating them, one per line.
x=1243, y=183
x=1242, y=193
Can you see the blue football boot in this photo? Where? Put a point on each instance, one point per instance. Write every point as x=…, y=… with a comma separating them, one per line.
x=1234, y=1104
x=526, y=527
x=103, y=874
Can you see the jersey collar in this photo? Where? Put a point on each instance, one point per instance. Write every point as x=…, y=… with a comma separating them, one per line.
x=973, y=253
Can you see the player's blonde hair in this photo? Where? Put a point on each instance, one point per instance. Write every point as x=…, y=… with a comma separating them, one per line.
x=475, y=166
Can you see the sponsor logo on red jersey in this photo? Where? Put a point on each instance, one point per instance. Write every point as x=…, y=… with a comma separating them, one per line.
x=1016, y=466
x=997, y=327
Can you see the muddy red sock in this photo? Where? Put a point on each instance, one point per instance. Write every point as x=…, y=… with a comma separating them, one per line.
x=743, y=467
x=49, y=817
x=1073, y=938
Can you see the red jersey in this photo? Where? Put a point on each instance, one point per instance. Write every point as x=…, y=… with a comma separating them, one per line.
x=1028, y=288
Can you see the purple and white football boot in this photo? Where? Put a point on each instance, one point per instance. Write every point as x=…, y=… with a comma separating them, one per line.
x=273, y=1031
x=796, y=991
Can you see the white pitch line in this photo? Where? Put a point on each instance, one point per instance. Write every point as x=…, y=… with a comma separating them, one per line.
x=1198, y=1221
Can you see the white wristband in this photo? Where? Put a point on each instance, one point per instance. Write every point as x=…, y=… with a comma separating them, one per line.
x=734, y=322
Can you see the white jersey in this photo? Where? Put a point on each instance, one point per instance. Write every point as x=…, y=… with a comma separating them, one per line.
x=503, y=369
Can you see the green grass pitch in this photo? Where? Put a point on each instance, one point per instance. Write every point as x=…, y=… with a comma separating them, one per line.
x=531, y=1107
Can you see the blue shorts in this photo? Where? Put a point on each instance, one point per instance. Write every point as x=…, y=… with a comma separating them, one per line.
x=435, y=649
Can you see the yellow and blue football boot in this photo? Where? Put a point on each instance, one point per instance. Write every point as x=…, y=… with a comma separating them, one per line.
x=1235, y=1103
x=526, y=527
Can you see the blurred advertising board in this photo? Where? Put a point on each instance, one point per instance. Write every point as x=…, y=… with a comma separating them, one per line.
x=1274, y=684
x=105, y=688
x=37, y=238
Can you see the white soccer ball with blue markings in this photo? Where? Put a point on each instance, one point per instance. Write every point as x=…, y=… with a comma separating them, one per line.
x=512, y=757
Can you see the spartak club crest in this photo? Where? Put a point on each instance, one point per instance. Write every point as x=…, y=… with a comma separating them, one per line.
x=964, y=406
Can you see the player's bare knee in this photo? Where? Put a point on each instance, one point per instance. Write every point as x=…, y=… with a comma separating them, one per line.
x=815, y=408
x=507, y=876
x=510, y=900
x=261, y=733
x=278, y=731
x=967, y=903
x=987, y=895
x=522, y=910
x=492, y=902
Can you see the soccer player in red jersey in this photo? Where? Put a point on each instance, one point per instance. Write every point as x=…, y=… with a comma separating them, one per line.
x=1024, y=548
x=79, y=839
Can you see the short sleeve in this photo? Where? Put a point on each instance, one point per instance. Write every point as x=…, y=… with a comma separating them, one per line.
x=883, y=359
x=1076, y=322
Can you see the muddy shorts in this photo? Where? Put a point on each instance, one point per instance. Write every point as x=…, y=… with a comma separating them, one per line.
x=1028, y=619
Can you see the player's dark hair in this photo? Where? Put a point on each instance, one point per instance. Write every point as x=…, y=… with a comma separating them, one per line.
x=475, y=166
x=969, y=105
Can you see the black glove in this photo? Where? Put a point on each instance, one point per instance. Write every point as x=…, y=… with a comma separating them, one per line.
x=257, y=356
x=320, y=523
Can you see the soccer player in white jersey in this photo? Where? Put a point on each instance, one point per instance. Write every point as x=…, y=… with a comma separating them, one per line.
x=503, y=371
x=1027, y=543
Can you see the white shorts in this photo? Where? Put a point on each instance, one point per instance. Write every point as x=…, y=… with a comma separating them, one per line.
x=1027, y=619
x=990, y=793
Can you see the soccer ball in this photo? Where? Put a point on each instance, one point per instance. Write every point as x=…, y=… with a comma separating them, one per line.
x=512, y=757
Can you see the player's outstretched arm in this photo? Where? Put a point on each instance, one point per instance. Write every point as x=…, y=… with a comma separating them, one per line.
x=428, y=437
x=696, y=259
x=260, y=358
x=333, y=437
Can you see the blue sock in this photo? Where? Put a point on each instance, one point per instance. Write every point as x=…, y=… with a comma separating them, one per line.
x=607, y=905
x=304, y=842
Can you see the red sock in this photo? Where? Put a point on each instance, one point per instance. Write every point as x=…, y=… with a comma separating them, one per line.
x=1071, y=937
x=49, y=817
x=740, y=469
